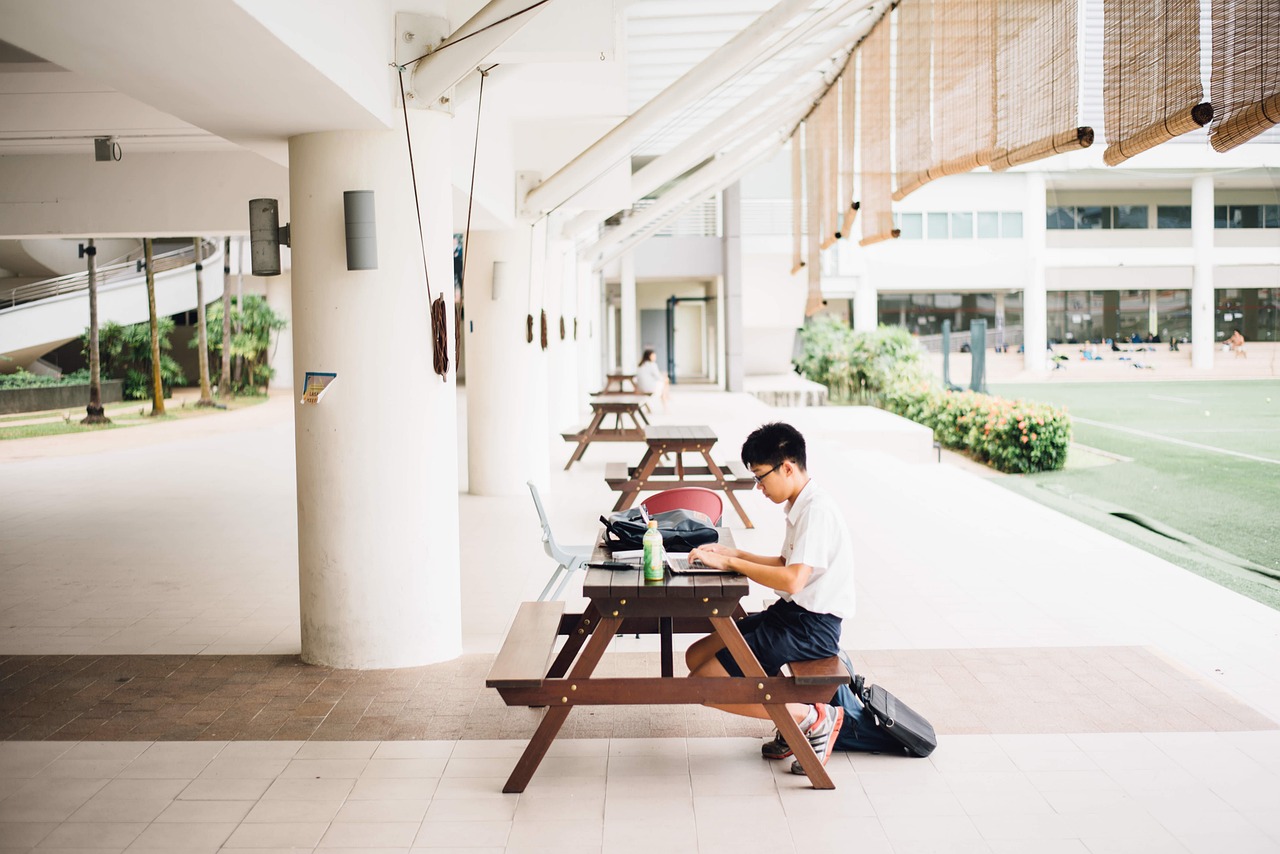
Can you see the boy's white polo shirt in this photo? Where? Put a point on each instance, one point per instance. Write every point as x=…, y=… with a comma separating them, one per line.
x=817, y=536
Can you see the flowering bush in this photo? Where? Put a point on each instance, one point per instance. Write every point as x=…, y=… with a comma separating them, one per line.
x=884, y=368
x=1010, y=435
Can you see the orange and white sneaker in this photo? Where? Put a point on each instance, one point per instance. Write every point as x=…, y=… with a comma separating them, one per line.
x=822, y=735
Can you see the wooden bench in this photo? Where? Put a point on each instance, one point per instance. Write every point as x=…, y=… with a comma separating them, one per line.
x=526, y=653
x=822, y=671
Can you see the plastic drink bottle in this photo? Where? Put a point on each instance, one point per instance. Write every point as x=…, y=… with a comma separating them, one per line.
x=654, y=555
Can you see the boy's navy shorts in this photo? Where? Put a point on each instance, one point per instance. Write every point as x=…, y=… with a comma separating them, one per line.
x=785, y=632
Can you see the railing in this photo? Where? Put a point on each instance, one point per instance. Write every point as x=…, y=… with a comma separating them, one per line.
x=1005, y=337
x=127, y=268
x=698, y=220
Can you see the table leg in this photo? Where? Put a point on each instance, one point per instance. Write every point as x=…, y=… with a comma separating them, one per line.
x=746, y=659
x=576, y=638
x=649, y=462
x=557, y=715
x=664, y=642
x=596, y=418
x=718, y=474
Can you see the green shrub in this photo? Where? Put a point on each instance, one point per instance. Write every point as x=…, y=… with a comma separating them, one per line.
x=885, y=368
x=25, y=379
x=1010, y=435
x=255, y=322
x=125, y=352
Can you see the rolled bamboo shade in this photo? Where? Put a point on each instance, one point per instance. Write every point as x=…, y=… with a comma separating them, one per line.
x=1245, y=81
x=913, y=133
x=813, y=212
x=829, y=191
x=848, y=123
x=964, y=77
x=1151, y=89
x=1036, y=85
x=877, y=171
x=797, y=201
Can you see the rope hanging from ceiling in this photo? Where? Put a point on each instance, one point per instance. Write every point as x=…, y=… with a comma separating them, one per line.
x=439, y=323
x=913, y=133
x=964, y=75
x=1244, y=83
x=1036, y=85
x=1151, y=72
x=877, y=173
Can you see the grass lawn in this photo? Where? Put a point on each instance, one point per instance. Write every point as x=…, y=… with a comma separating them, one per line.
x=1203, y=460
x=128, y=414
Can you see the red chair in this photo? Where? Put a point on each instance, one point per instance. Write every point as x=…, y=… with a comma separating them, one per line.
x=687, y=498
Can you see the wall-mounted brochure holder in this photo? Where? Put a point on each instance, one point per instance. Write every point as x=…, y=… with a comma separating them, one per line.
x=314, y=385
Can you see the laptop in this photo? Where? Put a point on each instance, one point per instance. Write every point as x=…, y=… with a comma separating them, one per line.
x=679, y=564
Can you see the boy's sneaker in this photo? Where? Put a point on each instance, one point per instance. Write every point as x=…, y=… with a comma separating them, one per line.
x=822, y=735
x=776, y=749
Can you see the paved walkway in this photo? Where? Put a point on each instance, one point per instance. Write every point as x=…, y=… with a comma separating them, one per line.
x=1091, y=697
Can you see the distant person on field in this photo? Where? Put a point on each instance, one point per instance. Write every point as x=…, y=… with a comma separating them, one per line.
x=1237, y=344
x=651, y=380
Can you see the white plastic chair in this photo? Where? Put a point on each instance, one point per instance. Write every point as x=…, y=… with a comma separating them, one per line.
x=568, y=558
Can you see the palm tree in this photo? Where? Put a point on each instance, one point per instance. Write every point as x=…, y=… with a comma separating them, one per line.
x=157, y=390
x=94, y=409
x=224, y=382
x=202, y=349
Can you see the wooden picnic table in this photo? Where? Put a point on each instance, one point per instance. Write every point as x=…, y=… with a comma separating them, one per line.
x=651, y=474
x=602, y=406
x=620, y=381
x=622, y=602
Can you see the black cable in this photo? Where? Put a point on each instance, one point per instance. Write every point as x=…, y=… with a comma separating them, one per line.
x=413, y=175
x=479, y=31
x=471, y=193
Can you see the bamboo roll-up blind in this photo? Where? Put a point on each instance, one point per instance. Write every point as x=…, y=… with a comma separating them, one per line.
x=913, y=131
x=1151, y=90
x=964, y=77
x=828, y=195
x=1244, y=84
x=813, y=212
x=797, y=200
x=848, y=113
x=877, y=171
x=1036, y=85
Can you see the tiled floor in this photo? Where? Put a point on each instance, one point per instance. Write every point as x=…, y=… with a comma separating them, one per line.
x=1090, y=697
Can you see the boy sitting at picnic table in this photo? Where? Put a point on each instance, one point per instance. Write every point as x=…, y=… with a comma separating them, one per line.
x=813, y=576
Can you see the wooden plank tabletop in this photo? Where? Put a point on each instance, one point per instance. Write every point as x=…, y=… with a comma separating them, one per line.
x=679, y=433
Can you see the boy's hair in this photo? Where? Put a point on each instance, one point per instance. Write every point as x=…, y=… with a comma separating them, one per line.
x=772, y=445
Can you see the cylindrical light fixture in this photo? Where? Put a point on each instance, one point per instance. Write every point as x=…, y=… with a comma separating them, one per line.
x=501, y=277
x=361, y=228
x=264, y=236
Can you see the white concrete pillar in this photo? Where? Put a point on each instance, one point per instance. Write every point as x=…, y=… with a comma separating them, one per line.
x=496, y=338
x=630, y=317
x=566, y=349
x=537, y=434
x=865, y=310
x=590, y=332
x=1035, y=312
x=1202, y=295
x=280, y=299
x=377, y=484
x=1153, y=312
x=999, y=331
x=731, y=284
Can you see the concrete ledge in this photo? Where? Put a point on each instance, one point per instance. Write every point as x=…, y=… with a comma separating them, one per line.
x=786, y=390
x=866, y=428
x=44, y=398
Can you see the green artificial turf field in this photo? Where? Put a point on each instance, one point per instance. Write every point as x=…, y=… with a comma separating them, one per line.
x=1200, y=480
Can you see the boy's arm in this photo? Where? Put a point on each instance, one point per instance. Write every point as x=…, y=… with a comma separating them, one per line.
x=769, y=571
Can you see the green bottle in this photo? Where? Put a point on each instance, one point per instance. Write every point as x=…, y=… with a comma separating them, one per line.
x=654, y=555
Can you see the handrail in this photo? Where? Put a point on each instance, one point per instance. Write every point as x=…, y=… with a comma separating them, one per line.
x=127, y=268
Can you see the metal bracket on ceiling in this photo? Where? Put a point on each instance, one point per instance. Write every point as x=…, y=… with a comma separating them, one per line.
x=526, y=181
x=417, y=36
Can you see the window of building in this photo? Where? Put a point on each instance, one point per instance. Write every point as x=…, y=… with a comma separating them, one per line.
x=988, y=224
x=1060, y=217
x=910, y=226
x=1173, y=216
x=1271, y=216
x=938, y=226
x=1246, y=216
x=961, y=225
x=1011, y=224
x=1093, y=217
x=1129, y=216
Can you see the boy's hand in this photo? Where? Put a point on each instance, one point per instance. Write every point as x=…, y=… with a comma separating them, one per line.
x=713, y=556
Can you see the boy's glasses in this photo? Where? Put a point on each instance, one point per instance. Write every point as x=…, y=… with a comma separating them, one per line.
x=759, y=478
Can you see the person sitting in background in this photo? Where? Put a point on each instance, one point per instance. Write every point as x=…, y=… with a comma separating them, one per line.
x=1237, y=344
x=650, y=380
